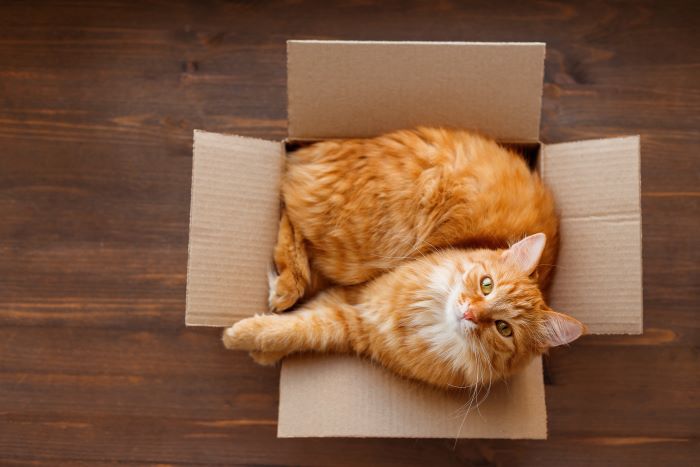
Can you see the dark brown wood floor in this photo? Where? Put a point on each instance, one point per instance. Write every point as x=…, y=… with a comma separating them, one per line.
x=97, y=105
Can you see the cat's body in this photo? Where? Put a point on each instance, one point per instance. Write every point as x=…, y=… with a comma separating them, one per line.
x=428, y=319
x=354, y=209
x=377, y=218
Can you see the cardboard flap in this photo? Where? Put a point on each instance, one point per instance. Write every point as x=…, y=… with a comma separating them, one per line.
x=234, y=214
x=359, y=89
x=598, y=277
x=345, y=396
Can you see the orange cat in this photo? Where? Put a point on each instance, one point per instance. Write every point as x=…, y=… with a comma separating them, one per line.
x=354, y=209
x=385, y=213
x=454, y=318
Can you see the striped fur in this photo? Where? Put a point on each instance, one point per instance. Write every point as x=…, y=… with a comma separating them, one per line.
x=411, y=320
x=354, y=209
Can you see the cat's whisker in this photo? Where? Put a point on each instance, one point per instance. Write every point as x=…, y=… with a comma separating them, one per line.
x=435, y=250
x=477, y=385
x=458, y=410
x=490, y=368
x=478, y=400
x=416, y=249
x=433, y=247
x=461, y=425
x=474, y=390
x=464, y=419
x=457, y=387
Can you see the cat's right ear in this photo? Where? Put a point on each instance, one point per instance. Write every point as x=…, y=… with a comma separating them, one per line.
x=561, y=329
x=526, y=254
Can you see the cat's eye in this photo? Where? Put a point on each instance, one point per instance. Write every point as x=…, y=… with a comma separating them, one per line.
x=504, y=328
x=486, y=285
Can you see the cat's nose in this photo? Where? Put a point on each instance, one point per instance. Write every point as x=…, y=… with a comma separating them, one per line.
x=469, y=314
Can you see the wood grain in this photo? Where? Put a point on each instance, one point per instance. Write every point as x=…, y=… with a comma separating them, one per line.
x=97, y=105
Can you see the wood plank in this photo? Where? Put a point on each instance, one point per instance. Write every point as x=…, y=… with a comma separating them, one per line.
x=97, y=106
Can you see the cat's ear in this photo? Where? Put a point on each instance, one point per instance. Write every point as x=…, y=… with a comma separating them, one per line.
x=561, y=329
x=527, y=252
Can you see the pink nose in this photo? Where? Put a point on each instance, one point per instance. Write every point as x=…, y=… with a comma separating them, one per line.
x=470, y=316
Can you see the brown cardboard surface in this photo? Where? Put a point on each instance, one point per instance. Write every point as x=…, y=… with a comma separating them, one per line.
x=599, y=271
x=359, y=89
x=349, y=397
x=233, y=227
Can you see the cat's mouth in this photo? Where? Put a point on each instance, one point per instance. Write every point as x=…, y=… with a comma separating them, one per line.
x=467, y=326
x=465, y=318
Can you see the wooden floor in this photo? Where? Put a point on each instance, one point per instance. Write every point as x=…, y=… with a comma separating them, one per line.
x=97, y=105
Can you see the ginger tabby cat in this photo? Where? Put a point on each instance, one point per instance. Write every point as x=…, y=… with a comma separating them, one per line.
x=378, y=220
x=354, y=209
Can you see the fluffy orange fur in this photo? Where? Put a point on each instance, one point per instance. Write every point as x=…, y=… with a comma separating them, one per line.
x=354, y=209
x=430, y=319
x=378, y=220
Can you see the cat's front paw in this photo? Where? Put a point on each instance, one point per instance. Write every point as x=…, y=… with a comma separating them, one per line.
x=267, y=358
x=241, y=336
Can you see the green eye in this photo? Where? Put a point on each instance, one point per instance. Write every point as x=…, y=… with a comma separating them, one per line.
x=504, y=328
x=486, y=285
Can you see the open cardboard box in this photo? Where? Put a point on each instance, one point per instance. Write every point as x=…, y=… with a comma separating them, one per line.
x=362, y=89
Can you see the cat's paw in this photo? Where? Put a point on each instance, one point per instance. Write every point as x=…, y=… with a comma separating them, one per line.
x=267, y=358
x=241, y=336
x=284, y=292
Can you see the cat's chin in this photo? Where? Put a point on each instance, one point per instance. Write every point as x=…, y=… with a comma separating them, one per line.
x=467, y=326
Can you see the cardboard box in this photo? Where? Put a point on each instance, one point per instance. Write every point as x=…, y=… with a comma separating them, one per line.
x=362, y=89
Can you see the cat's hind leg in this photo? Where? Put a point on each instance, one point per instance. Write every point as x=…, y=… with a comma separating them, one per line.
x=292, y=276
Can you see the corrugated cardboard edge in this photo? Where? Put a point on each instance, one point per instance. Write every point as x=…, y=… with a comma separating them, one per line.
x=622, y=149
x=519, y=115
x=189, y=228
x=240, y=196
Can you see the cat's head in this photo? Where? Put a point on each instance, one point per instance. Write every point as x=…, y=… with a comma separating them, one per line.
x=500, y=311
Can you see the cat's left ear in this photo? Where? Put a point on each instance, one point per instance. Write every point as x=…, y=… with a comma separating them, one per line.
x=527, y=252
x=561, y=329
